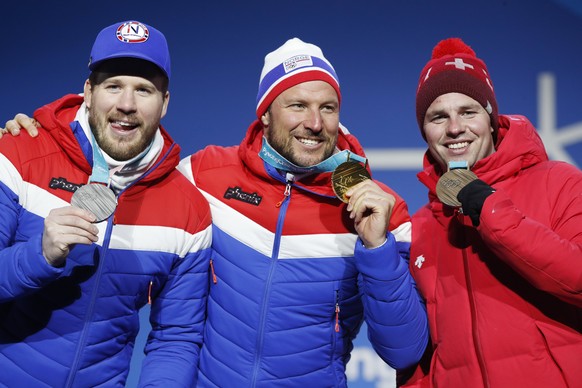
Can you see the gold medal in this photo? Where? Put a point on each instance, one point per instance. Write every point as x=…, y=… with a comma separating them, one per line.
x=347, y=175
x=96, y=198
x=451, y=182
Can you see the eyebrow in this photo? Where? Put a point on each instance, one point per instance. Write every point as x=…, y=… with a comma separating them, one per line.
x=462, y=107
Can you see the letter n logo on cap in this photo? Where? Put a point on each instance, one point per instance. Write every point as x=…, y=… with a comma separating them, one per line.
x=132, y=32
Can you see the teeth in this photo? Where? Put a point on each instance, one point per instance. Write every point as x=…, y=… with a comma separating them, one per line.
x=123, y=124
x=458, y=145
x=308, y=141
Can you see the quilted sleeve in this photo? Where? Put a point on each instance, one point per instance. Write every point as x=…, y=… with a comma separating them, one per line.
x=394, y=311
x=177, y=318
x=23, y=268
x=546, y=254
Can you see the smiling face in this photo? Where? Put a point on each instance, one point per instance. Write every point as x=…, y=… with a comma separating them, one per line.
x=125, y=109
x=458, y=128
x=302, y=123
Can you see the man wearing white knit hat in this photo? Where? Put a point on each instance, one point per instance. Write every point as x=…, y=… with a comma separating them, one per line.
x=293, y=266
x=305, y=246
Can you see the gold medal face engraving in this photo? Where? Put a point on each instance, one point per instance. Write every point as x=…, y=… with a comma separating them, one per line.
x=347, y=175
x=451, y=182
x=96, y=198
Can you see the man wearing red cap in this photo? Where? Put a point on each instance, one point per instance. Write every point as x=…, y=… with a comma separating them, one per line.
x=502, y=269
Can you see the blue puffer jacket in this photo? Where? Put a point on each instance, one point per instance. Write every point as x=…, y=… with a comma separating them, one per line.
x=75, y=326
x=292, y=282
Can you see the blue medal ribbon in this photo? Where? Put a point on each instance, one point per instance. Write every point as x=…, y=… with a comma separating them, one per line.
x=454, y=164
x=100, y=171
x=273, y=158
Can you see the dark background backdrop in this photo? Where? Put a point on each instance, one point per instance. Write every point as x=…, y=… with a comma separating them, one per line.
x=533, y=50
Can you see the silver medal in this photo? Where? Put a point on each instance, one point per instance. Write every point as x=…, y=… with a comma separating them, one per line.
x=96, y=198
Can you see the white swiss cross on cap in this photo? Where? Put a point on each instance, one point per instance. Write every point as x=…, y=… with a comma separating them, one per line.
x=459, y=64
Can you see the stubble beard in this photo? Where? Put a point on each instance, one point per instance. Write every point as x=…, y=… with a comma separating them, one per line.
x=285, y=148
x=118, y=148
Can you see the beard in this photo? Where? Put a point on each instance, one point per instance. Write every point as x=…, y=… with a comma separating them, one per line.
x=120, y=148
x=283, y=144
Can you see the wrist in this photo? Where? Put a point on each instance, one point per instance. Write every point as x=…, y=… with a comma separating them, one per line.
x=374, y=245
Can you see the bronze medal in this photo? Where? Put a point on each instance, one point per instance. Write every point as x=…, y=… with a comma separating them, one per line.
x=346, y=175
x=96, y=198
x=451, y=182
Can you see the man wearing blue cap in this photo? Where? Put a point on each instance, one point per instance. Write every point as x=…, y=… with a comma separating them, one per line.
x=73, y=278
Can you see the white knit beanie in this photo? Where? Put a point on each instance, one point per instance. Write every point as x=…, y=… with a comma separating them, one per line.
x=293, y=63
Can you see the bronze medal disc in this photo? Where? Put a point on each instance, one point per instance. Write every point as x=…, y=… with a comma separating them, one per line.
x=451, y=182
x=346, y=175
x=96, y=198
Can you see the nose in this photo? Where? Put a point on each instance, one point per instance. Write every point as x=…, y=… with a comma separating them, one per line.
x=127, y=102
x=313, y=121
x=454, y=126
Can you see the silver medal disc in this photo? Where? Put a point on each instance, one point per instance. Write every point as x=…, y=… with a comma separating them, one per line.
x=96, y=198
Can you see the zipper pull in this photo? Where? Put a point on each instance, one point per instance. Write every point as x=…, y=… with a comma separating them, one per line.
x=150, y=292
x=214, y=279
x=289, y=178
x=337, y=311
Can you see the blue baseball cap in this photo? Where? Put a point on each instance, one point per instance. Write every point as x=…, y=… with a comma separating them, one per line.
x=131, y=39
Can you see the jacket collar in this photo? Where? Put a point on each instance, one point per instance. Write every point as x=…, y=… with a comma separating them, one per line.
x=319, y=183
x=56, y=118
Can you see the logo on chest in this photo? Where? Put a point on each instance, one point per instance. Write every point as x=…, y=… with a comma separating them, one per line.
x=237, y=193
x=63, y=184
x=419, y=261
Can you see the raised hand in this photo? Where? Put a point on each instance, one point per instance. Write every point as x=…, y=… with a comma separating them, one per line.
x=63, y=228
x=370, y=207
x=472, y=198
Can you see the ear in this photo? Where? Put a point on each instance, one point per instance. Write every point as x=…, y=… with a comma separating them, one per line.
x=165, y=104
x=265, y=119
x=87, y=93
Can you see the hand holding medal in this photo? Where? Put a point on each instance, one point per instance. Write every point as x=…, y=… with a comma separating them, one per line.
x=451, y=182
x=369, y=205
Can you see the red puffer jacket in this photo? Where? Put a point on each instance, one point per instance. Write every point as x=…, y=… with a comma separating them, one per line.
x=504, y=299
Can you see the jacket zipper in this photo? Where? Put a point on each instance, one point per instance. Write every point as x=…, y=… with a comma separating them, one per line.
x=88, y=317
x=476, y=338
x=282, y=205
x=91, y=307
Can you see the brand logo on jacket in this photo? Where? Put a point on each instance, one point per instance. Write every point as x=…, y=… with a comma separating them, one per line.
x=237, y=193
x=419, y=261
x=63, y=184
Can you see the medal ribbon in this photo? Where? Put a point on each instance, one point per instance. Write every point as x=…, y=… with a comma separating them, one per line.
x=100, y=168
x=272, y=157
x=100, y=171
x=454, y=164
